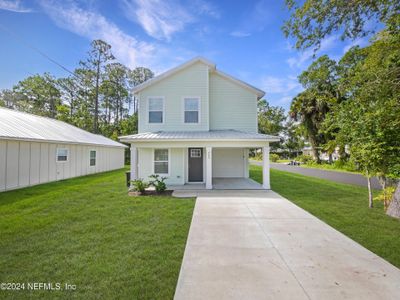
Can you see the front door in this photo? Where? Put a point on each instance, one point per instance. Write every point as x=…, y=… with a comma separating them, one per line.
x=195, y=164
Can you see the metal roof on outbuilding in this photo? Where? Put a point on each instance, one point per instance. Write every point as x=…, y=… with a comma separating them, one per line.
x=226, y=135
x=18, y=125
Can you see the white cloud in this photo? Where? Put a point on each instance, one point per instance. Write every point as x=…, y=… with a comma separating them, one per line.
x=301, y=58
x=285, y=100
x=14, y=6
x=254, y=20
x=279, y=85
x=160, y=19
x=93, y=25
x=206, y=8
x=362, y=42
x=240, y=34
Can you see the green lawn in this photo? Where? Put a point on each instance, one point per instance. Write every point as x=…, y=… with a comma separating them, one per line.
x=89, y=233
x=344, y=207
x=329, y=167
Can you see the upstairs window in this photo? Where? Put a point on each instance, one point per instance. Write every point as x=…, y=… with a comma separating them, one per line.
x=156, y=109
x=92, y=158
x=161, y=161
x=62, y=154
x=191, y=107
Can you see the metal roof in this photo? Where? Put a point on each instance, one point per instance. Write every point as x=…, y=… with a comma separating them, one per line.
x=24, y=126
x=226, y=135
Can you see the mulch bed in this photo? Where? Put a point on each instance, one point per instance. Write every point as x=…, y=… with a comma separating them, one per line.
x=151, y=193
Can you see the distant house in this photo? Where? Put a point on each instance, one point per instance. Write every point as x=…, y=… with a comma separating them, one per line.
x=36, y=150
x=197, y=124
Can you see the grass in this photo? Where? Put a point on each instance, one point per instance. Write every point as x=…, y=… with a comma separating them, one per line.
x=330, y=167
x=87, y=232
x=344, y=207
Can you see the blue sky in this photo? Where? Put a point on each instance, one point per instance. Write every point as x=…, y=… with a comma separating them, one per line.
x=243, y=38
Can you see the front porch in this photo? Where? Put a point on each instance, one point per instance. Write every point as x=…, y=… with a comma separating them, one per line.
x=215, y=159
x=221, y=184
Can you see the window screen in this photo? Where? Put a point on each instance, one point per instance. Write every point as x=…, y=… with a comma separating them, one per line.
x=191, y=110
x=62, y=154
x=156, y=107
x=92, y=157
x=161, y=161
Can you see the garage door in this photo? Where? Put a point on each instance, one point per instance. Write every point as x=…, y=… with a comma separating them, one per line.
x=228, y=162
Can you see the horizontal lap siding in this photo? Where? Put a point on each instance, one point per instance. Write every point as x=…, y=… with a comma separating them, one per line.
x=30, y=163
x=176, y=165
x=231, y=106
x=228, y=162
x=190, y=82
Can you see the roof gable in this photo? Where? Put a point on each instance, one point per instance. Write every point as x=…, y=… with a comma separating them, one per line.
x=212, y=68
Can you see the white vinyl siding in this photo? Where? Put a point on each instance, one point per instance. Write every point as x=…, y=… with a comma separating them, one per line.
x=228, y=162
x=175, y=165
x=192, y=81
x=24, y=163
x=231, y=106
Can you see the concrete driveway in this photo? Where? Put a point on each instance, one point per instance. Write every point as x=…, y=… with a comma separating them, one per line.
x=258, y=245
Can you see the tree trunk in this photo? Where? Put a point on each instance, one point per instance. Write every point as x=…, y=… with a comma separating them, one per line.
x=96, y=100
x=370, y=197
x=330, y=158
x=394, y=206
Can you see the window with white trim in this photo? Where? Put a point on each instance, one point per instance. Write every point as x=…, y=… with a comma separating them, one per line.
x=92, y=156
x=62, y=154
x=161, y=161
x=156, y=109
x=191, y=109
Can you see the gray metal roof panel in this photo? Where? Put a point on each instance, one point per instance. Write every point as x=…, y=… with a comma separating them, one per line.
x=24, y=126
x=198, y=135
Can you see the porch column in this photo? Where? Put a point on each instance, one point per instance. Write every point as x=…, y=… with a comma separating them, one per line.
x=134, y=168
x=266, y=184
x=208, y=168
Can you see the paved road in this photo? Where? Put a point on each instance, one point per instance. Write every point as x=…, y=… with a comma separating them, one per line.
x=258, y=245
x=341, y=177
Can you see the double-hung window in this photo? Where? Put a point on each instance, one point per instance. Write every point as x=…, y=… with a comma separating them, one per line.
x=62, y=154
x=191, y=109
x=161, y=161
x=92, y=158
x=156, y=109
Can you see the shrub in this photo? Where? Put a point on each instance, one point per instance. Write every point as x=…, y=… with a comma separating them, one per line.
x=305, y=159
x=274, y=157
x=386, y=196
x=139, y=185
x=158, y=183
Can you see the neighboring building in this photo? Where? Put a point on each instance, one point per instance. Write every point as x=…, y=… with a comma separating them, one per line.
x=36, y=150
x=196, y=123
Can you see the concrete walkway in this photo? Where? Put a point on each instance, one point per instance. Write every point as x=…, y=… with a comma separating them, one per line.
x=337, y=176
x=258, y=245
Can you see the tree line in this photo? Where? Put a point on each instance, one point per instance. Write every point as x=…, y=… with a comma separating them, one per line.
x=97, y=96
x=354, y=102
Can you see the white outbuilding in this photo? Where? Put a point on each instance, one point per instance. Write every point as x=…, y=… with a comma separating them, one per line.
x=35, y=150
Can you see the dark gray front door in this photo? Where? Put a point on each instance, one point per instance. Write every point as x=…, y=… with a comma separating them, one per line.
x=195, y=164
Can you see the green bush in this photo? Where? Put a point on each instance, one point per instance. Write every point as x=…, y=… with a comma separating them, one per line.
x=386, y=196
x=274, y=157
x=158, y=183
x=139, y=185
x=305, y=159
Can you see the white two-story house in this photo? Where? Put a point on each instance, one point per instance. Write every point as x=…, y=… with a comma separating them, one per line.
x=196, y=124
